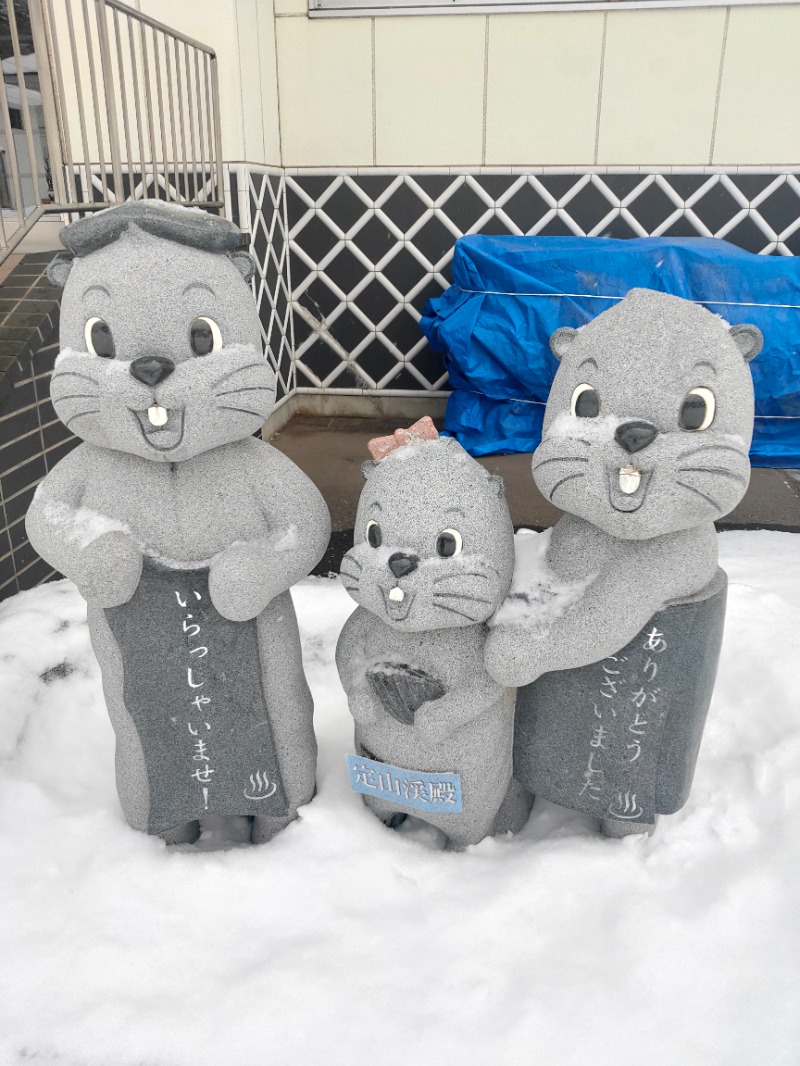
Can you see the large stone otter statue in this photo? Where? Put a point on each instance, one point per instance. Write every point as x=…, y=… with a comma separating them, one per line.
x=614, y=622
x=182, y=530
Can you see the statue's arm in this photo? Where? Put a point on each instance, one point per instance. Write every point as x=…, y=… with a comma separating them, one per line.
x=609, y=614
x=249, y=574
x=351, y=662
x=91, y=549
x=468, y=698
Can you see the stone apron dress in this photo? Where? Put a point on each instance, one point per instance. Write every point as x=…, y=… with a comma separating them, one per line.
x=619, y=738
x=192, y=685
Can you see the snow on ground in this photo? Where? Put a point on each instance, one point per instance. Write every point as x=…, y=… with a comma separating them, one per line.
x=344, y=942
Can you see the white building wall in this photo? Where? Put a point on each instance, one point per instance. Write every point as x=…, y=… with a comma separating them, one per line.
x=665, y=87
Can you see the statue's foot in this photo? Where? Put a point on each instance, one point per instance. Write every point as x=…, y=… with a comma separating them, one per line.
x=619, y=827
x=514, y=810
x=219, y=830
x=266, y=827
x=182, y=834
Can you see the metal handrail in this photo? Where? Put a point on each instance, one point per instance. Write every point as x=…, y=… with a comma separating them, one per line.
x=130, y=108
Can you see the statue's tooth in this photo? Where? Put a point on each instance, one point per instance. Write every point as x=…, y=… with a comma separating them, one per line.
x=396, y=595
x=629, y=478
x=157, y=415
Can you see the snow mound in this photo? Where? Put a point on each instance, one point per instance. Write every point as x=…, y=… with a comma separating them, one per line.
x=344, y=942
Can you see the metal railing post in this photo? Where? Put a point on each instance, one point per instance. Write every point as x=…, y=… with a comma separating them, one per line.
x=52, y=126
x=110, y=96
x=183, y=112
x=220, y=183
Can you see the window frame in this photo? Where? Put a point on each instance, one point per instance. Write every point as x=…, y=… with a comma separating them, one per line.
x=377, y=8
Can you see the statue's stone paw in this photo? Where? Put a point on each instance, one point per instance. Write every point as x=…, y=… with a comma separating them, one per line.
x=110, y=567
x=505, y=655
x=241, y=583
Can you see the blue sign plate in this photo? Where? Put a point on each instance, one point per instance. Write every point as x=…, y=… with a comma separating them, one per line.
x=438, y=793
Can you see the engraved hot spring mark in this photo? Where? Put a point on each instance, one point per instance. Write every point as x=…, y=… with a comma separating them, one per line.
x=260, y=787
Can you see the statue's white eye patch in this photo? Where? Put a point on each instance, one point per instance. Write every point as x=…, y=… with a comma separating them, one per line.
x=449, y=543
x=585, y=401
x=99, y=340
x=205, y=336
x=697, y=410
x=374, y=534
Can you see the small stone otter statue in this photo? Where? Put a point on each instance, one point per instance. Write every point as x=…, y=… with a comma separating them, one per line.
x=432, y=560
x=614, y=622
x=182, y=530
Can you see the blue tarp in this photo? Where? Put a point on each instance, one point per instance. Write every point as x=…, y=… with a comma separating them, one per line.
x=510, y=293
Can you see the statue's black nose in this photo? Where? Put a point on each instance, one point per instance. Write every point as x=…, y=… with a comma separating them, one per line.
x=633, y=436
x=401, y=564
x=150, y=369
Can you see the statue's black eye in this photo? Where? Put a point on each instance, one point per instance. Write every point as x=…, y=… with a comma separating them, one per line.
x=374, y=535
x=205, y=336
x=585, y=402
x=697, y=410
x=98, y=338
x=449, y=543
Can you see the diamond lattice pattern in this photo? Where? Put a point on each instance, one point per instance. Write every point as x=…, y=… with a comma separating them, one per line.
x=367, y=250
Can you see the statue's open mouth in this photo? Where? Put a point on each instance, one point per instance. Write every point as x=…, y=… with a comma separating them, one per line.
x=397, y=602
x=162, y=427
x=627, y=487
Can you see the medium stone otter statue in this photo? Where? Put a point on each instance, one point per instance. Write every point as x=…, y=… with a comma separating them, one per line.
x=182, y=530
x=432, y=560
x=614, y=622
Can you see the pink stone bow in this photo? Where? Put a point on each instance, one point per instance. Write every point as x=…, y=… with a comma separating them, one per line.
x=424, y=429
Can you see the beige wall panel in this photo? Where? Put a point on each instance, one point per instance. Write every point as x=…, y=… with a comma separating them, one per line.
x=758, y=119
x=429, y=90
x=268, y=83
x=291, y=7
x=325, y=86
x=544, y=72
x=214, y=25
x=659, y=86
x=251, y=101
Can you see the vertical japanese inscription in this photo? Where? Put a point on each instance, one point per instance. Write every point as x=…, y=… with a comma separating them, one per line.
x=626, y=702
x=202, y=705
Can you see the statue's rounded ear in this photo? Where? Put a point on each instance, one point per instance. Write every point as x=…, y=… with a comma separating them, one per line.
x=562, y=340
x=244, y=263
x=367, y=467
x=499, y=484
x=58, y=270
x=749, y=340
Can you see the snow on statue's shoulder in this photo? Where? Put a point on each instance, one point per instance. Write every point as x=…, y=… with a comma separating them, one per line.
x=537, y=596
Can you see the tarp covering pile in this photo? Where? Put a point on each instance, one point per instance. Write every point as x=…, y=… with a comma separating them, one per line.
x=510, y=293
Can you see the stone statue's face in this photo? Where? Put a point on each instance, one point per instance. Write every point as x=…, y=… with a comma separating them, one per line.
x=161, y=350
x=434, y=544
x=650, y=417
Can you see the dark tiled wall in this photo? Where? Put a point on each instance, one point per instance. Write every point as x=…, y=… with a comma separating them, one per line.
x=32, y=439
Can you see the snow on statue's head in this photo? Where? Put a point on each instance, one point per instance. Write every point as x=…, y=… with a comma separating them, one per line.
x=650, y=417
x=434, y=543
x=161, y=352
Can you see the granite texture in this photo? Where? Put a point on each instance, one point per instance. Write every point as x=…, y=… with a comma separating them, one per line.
x=622, y=735
x=644, y=464
x=170, y=472
x=411, y=655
